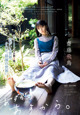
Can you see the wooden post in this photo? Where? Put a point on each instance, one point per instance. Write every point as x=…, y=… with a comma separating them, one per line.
x=41, y=5
x=60, y=25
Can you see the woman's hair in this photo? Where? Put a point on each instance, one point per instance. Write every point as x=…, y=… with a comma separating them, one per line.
x=41, y=23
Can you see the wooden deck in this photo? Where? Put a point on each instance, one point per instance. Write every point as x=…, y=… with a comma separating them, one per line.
x=65, y=100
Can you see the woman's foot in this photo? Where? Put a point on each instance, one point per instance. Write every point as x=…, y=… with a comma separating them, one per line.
x=42, y=85
x=11, y=82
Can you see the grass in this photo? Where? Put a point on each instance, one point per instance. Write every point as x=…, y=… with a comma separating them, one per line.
x=16, y=67
x=2, y=49
x=2, y=80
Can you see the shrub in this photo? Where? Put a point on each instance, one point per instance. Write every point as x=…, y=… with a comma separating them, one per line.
x=2, y=80
x=32, y=33
x=17, y=66
x=2, y=49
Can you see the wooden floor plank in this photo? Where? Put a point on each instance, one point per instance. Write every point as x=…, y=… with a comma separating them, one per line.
x=65, y=100
x=66, y=103
x=38, y=105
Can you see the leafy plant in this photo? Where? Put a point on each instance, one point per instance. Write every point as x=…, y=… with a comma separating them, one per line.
x=2, y=80
x=11, y=13
x=17, y=66
x=2, y=49
x=32, y=33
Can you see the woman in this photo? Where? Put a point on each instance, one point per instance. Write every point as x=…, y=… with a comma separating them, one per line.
x=46, y=68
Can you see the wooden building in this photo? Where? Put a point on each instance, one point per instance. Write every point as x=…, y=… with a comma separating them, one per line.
x=62, y=15
x=63, y=19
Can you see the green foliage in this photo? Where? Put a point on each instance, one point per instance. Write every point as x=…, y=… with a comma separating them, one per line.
x=70, y=12
x=32, y=33
x=19, y=3
x=2, y=49
x=11, y=13
x=2, y=81
x=17, y=66
x=32, y=21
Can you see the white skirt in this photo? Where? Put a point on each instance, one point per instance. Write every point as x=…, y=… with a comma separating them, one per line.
x=53, y=70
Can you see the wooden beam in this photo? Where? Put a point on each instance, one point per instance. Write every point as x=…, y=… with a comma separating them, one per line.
x=41, y=4
x=60, y=25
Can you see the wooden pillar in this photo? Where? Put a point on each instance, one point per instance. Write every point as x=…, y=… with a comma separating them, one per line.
x=60, y=25
x=41, y=5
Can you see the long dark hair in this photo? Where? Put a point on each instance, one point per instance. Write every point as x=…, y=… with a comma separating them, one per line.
x=41, y=23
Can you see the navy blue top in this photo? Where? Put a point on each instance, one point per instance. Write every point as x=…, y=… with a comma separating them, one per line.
x=45, y=46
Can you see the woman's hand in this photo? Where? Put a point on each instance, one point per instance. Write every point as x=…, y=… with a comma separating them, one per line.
x=45, y=64
x=42, y=64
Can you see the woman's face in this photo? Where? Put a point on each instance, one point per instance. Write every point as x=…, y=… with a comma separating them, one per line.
x=42, y=30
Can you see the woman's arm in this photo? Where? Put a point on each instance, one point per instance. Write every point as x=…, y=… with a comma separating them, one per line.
x=37, y=51
x=54, y=50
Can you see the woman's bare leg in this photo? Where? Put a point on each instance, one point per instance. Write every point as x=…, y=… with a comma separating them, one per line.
x=42, y=85
x=11, y=82
x=48, y=85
